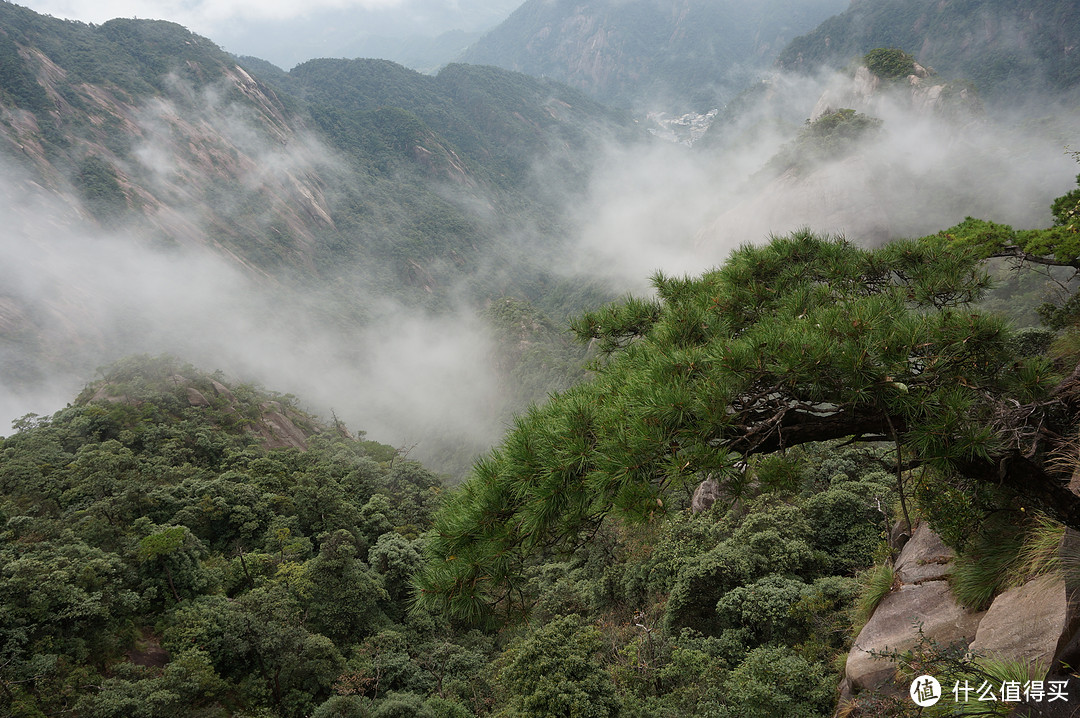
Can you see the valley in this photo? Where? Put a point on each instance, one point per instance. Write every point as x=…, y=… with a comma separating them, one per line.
x=639, y=361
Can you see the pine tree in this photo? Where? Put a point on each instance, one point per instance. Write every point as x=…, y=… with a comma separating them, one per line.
x=803, y=339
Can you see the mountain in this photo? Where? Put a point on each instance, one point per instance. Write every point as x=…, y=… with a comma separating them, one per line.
x=421, y=34
x=141, y=116
x=648, y=53
x=1005, y=48
x=161, y=195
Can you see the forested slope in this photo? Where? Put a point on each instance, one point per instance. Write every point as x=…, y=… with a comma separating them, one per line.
x=818, y=400
x=686, y=55
x=1007, y=50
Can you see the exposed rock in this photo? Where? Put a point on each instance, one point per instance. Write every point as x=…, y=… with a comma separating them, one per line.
x=148, y=652
x=705, y=495
x=104, y=393
x=893, y=627
x=1030, y=622
x=223, y=391
x=278, y=430
x=924, y=558
x=196, y=398
x=899, y=535
x=866, y=83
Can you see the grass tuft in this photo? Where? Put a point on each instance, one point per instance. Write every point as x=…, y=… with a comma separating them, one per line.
x=874, y=584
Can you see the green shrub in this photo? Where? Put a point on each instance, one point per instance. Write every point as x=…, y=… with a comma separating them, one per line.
x=988, y=566
x=343, y=707
x=775, y=682
x=764, y=609
x=849, y=520
x=889, y=63
x=554, y=671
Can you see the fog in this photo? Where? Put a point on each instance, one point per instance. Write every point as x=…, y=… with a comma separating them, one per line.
x=684, y=209
x=96, y=296
x=82, y=295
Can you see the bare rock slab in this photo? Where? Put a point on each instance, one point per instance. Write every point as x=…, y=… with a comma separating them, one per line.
x=924, y=558
x=894, y=627
x=1031, y=622
x=705, y=495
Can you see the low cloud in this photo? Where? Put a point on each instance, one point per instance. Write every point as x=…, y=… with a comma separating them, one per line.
x=682, y=210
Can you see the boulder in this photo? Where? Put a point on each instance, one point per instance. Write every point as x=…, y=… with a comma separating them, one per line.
x=196, y=398
x=924, y=558
x=223, y=391
x=278, y=430
x=705, y=495
x=894, y=627
x=1032, y=622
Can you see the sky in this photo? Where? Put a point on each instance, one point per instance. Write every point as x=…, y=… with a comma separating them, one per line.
x=205, y=16
x=286, y=32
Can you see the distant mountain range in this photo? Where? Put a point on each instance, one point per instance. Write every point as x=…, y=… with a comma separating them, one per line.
x=421, y=34
x=155, y=189
x=138, y=116
x=1005, y=48
x=649, y=54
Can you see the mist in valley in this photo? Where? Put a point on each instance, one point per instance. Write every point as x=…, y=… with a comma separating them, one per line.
x=77, y=295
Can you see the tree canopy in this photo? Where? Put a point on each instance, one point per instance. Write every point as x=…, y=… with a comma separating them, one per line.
x=806, y=338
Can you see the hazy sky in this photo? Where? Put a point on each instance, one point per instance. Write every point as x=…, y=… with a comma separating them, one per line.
x=206, y=15
x=287, y=32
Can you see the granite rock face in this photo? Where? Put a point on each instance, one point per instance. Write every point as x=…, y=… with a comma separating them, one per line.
x=924, y=558
x=1029, y=622
x=1037, y=622
x=894, y=627
x=705, y=495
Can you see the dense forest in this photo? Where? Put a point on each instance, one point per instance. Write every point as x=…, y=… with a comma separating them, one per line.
x=706, y=499
x=176, y=543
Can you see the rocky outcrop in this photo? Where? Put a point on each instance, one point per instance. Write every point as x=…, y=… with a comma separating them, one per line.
x=1037, y=622
x=894, y=627
x=925, y=558
x=705, y=495
x=275, y=423
x=1030, y=622
x=196, y=397
x=277, y=430
x=921, y=598
x=866, y=92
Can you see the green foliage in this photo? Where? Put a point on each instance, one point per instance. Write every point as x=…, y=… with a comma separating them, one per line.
x=97, y=182
x=771, y=540
x=889, y=63
x=805, y=322
x=1005, y=554
x=986, y=567
x=874, y=584
x=1065, y=208
x=141, y=510
x=955, y=39
x=772, y=682
x=829, y=137
x=17, y=81
x=554, y=672
x=850, y=518
x=764, y=609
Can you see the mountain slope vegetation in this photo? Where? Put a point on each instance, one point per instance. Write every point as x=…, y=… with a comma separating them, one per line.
x=174, y=541
x=647, y=54
x=1004, y=48
x=342, y=192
